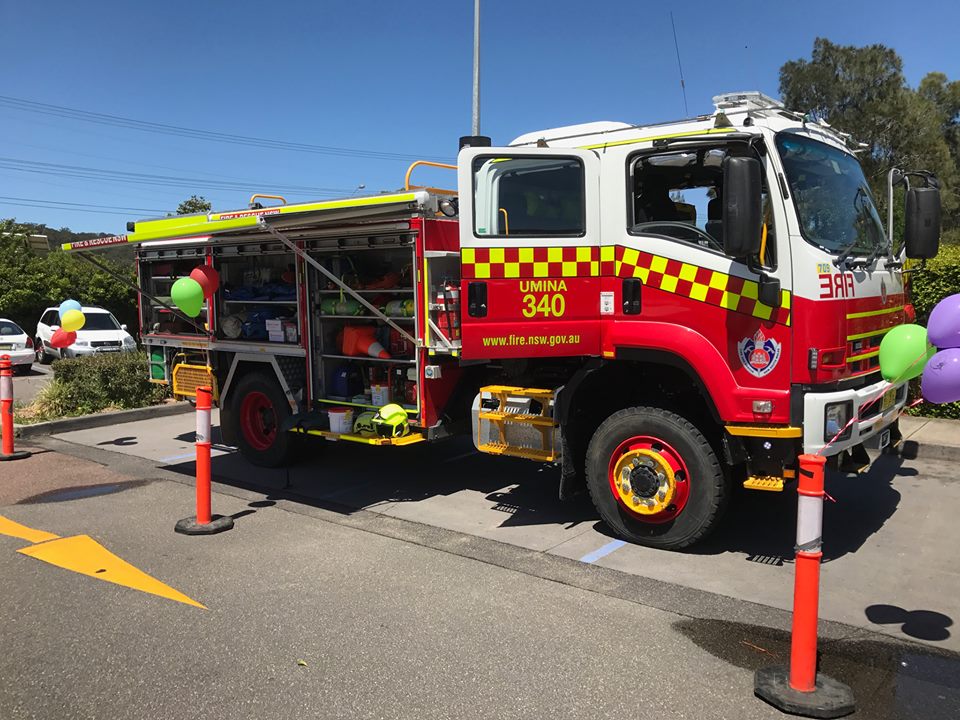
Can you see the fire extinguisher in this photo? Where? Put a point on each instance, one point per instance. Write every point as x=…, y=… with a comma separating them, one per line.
x=448, y=304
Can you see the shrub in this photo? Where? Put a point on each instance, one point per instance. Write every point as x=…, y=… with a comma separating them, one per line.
x=928, y=287
x=89, y=384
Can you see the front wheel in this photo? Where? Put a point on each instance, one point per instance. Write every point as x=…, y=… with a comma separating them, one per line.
x=259, y=410
x=654, y=478
x=42, y=357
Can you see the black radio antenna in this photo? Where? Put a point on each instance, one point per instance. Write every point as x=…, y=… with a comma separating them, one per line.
x=683, y=87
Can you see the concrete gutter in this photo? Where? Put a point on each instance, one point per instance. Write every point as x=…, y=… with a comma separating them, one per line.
x=103, y=419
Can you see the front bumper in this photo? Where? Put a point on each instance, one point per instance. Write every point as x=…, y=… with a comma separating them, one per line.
x=875, y=417
x=19, y=357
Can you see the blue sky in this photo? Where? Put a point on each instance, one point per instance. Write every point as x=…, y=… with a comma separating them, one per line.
x=390, y=77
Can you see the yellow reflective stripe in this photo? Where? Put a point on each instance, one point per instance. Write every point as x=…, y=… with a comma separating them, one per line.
x=872, y=333
x=709, y=131
x=767, y=431
x=864, y=356
x=874, y=313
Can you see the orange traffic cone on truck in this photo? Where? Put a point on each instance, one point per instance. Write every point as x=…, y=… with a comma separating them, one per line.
x=359, y=340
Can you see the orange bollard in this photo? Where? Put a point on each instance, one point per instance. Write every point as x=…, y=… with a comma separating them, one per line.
x=203, y=523
x=800, y=690
x=6, y=411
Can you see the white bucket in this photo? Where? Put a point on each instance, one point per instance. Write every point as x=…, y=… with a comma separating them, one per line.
x=341, y=419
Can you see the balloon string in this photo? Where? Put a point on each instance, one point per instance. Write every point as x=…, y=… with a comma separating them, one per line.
x=867, y=405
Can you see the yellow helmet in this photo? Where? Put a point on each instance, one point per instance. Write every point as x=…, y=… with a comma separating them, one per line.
x=391, y=421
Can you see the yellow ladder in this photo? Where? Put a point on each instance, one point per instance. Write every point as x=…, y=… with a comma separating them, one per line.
x=501, y=417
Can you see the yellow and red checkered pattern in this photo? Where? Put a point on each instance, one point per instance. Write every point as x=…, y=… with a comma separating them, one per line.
x=673, y=276
x=535, y=262
x=702, y=284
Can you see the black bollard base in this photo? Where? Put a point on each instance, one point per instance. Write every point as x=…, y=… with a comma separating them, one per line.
x=15, y=455
x=829, y=699
x=190, y=526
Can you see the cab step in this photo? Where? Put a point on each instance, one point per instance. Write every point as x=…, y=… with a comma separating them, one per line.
x=764, y=482
x=517, y=406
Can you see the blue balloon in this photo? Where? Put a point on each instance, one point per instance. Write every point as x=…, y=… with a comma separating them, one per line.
x=69, y=305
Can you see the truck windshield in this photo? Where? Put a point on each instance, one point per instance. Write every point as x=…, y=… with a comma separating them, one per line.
x=834, y=203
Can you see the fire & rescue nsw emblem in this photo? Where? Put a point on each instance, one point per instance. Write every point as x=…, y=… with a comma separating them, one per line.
x=759, y=355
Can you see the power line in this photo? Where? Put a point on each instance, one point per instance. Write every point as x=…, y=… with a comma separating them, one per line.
x=179, y=131
x=120, y=176
x=86, y=205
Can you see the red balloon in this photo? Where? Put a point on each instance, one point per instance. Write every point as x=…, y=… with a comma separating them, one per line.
x=207, y=277
x=61, y=338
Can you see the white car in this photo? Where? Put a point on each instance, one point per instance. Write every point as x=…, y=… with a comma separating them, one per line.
x=100, y=333
x=15, y=343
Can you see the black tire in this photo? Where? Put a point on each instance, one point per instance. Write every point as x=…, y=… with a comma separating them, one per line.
x=259, y=403
x=42, y=357
x=708, y=489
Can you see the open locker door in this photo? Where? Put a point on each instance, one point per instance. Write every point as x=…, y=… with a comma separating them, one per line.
x=530, y=252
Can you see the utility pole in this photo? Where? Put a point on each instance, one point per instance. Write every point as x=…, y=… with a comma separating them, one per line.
x=476, y=67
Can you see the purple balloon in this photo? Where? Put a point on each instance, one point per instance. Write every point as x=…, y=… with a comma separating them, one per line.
x=943, y=328
x=941, y=377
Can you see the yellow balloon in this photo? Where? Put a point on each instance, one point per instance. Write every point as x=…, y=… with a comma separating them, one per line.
x=72, y=320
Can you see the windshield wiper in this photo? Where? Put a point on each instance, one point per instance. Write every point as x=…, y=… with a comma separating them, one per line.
x=842, y=261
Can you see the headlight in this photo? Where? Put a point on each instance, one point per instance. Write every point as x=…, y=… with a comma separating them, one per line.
x=129, y=342
x=835, y=418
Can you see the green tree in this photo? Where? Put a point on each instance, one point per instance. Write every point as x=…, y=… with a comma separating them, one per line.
x=862, y=91
x=194, y=204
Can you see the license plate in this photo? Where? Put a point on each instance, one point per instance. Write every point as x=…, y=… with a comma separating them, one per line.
x=889, y=398
x=6, y=347
x=884, y=439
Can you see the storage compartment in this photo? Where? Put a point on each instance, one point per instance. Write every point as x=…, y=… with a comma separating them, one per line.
x=258, y=296
x=366, y=346
x=159, y=270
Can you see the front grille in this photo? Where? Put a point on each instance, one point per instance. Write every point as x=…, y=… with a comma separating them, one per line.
x=105, y=343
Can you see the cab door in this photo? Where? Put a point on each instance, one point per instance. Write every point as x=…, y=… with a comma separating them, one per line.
x=530, y=252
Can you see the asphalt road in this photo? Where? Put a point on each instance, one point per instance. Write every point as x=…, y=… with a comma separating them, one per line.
x=439, y=583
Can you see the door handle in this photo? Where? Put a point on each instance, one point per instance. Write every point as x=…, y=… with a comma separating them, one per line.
x=477, y=299
x=631, y=296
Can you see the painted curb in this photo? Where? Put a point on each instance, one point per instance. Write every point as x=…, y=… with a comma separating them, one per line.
x=116, y=417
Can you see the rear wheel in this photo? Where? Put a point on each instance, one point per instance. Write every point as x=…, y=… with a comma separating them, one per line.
x=654, y=478
x=259, y=409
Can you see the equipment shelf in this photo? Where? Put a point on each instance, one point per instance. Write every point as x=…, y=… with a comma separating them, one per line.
x=359, y=358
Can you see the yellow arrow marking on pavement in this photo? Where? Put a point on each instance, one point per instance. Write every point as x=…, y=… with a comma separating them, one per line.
x=15, y=529
x=84, y=555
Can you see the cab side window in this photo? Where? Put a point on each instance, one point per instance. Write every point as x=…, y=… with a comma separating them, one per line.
x=525, y=196
x=679, y=195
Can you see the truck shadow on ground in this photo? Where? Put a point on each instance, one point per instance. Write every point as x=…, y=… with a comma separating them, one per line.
x=345, y=477
x=763, y=525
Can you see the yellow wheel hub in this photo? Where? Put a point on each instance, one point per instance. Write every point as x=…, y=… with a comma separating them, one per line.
x=644, y=481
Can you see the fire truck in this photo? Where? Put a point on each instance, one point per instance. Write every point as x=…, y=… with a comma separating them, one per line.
x=664, y=312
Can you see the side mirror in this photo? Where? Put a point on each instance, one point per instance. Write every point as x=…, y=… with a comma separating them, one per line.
x=742, y=213
x=123, y=327
x=921, y=233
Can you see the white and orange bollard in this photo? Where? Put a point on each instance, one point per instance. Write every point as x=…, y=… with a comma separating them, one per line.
x=203, y=523
x=6, y=411
x=799, y=689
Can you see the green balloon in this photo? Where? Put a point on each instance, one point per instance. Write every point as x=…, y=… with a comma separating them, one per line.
x=187, y=294
x=903, y=353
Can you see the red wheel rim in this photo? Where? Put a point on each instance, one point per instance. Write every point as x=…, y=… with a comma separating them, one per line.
x=665, y=456
x=258, y=420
